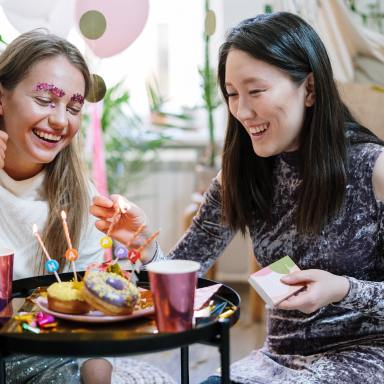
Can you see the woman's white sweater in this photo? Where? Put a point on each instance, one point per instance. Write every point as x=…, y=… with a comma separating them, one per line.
x=22, y=204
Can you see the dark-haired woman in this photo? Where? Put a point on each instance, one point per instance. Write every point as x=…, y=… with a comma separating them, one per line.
x=306, y=180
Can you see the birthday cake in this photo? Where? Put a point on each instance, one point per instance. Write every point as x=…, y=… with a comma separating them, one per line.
x=110, y=293
x=67, y=297
x=106, y=288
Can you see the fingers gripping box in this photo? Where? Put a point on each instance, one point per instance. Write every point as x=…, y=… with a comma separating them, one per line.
x=267, y=282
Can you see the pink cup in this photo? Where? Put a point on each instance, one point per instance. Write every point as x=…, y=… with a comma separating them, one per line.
x=6, y=271
x=173, y=285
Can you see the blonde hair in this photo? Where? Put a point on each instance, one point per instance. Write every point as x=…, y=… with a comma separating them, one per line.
x=66, y=181
x=66, y=189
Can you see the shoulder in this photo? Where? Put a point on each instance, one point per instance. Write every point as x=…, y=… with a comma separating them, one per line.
x=378, y=177
x=362, y=157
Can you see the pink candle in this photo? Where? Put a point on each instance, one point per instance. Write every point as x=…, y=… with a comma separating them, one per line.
x=36, y=233
x=69, y=242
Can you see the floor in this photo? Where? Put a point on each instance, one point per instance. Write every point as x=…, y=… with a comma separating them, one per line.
x=204, y=360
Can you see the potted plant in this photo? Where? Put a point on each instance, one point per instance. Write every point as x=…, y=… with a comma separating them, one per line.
x=207, y=169
x=129, y=147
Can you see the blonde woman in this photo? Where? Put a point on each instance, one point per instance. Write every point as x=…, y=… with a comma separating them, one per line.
x=43, y=82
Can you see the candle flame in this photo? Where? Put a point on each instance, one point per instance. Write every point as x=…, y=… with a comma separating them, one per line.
x=63, y=215
x=34, y=229
x=124, y=206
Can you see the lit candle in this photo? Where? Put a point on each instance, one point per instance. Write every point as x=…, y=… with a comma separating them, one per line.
x=106, y=241
x=72, y=253
x=66, y=231
x=36, y=233
x=122, y=208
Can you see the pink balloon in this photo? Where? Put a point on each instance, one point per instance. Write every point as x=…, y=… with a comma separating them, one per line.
x=125, y=21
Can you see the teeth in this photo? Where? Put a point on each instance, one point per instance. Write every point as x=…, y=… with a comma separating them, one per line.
x=258, y=129
x=47, y=136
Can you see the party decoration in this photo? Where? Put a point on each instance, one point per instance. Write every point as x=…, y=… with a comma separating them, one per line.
x=106, y=242
x=97, y=90
x=51, y=266
x=69, y=254
x=35, y=322
x=133, y=256
x=56, y=16
x=210, y=23
x=92, y=24
x=125, y=20
x=36, y=233
x=121, y=252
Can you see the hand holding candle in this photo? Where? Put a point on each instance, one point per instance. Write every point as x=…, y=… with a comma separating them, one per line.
x=71, y=253
x=50, y=265
x=106, y=241
x=124, y=216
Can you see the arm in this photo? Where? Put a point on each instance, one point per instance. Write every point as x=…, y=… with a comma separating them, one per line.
x=127, y=218
x=368, y=296
x=206, y=238
x=324, y=288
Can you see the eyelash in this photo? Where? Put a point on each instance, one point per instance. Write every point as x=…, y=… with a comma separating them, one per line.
x=46, y=102
x=252, y=92
x=256, y=91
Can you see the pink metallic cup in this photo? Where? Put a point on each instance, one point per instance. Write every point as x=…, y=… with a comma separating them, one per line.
x=173, y=284
x=6, y=271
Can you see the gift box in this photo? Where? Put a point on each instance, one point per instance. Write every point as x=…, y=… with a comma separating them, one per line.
x=267, y=282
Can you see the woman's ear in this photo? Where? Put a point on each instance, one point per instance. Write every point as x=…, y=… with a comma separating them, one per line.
x=310, y=94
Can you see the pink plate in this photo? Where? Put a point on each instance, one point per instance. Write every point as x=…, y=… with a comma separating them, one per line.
x=92, y=316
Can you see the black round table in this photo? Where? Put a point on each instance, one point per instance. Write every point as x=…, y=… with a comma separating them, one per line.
x=120, y=338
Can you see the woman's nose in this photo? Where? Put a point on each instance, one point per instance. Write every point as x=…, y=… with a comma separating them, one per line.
x=244, y=110
x=58, y=119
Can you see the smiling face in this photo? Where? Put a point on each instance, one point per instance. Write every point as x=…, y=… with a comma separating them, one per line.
x=41, y=115
x=269, y=105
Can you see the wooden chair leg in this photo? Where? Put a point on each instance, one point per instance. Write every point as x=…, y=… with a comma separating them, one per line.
x=211, y=273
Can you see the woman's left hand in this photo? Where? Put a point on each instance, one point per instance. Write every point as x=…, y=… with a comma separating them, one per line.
x=322, y=288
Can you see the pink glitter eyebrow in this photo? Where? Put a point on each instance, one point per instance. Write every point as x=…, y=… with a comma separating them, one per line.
x=50, y=88
x=77, y=98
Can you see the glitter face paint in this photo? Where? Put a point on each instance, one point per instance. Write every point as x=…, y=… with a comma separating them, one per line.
x=50, y=88
x=77, y=98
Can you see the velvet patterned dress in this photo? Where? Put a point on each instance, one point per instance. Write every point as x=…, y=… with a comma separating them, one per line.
x=340, y=343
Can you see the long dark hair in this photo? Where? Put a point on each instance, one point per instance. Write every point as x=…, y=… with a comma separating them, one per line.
x=66, y=183
x=287, y=42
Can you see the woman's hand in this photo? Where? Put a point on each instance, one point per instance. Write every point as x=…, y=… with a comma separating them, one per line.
x=3, y=147
x=129, y=217
x=322, y=288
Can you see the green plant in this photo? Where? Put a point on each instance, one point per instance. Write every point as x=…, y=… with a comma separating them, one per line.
x=371, y=13
x=159, y=114
x=209, y=84
x=129, y=146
